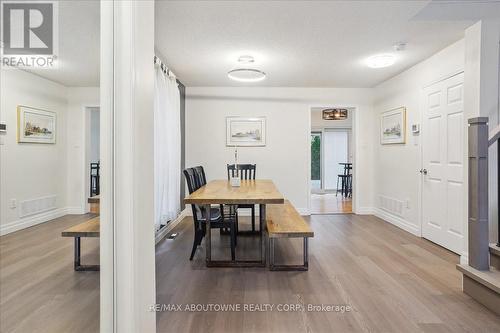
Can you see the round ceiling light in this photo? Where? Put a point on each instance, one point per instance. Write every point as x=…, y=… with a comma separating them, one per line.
x=246, y=75
x=381, y=61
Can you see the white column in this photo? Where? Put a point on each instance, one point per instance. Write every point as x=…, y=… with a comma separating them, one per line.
x=127, y=212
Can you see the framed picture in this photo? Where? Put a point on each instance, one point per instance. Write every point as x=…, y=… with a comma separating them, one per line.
x=35, y=125
x=245, y=131
x=393, y=126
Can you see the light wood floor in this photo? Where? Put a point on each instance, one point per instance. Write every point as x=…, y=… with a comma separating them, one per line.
x=329, y=203
x=39, y=290
x=394, y=281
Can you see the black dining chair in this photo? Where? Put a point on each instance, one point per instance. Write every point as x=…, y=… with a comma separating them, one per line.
x=245, y=172
x=217, y=218
x=224, y=209
x=94, y=179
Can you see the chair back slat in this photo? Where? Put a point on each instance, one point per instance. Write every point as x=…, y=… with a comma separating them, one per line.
x=193, y=184
x=246, y=171
x=200, y=176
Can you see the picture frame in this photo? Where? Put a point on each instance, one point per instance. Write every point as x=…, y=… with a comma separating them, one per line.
x=36, y=125
x=393, y=126
x=245, y=132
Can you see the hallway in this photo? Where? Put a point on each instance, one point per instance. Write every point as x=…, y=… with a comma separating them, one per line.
x=394, y=281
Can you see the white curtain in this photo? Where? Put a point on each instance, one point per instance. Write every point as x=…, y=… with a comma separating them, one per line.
x=167, y=148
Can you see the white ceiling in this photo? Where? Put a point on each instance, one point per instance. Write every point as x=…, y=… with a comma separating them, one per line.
x=297, y=43
x=79, y=35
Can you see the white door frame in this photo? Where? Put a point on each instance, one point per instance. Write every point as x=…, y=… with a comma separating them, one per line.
x=85, y=155
x=355, y=147
x=127, y=248
x=107, y=260
x=421, y=150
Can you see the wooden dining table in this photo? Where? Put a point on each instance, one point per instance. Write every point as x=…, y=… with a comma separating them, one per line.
x=259, y=192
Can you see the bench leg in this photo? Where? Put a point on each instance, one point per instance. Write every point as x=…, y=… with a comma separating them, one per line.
x=78, y=266
x=274, y=267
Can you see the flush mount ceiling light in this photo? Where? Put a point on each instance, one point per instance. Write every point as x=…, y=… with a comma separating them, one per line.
x=381, y=61
x=246, y=75
x=334, y=114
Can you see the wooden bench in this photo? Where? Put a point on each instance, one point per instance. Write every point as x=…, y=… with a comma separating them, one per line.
x=94, y=204
x=283, y=221
x=90, y=228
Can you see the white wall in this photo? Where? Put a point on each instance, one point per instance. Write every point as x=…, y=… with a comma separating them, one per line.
x=30, y=171
x=78, y=118
x=27, y=170
x=94, y=134
x=397, y=166
x=482, y=57
x=285, y=159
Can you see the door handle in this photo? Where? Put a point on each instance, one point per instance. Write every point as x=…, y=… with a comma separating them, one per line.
x=423, y=171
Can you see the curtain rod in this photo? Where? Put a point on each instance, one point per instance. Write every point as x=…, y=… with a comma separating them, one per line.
x=164, y=67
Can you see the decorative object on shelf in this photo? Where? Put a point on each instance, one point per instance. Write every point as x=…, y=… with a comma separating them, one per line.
x=335, y=114
x=393, y=126
x=245, y=131
x=35, y=125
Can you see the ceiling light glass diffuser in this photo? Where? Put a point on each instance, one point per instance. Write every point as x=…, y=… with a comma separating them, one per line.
x=381, y=61
x=246, y=75
x=246, y=59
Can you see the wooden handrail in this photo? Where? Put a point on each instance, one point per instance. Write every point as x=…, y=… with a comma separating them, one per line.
x=494, y=135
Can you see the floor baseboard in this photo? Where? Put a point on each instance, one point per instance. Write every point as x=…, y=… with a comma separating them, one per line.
x=165, y=231
x=33, y=220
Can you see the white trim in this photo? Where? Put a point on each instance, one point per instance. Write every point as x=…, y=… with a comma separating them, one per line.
x=364, y=211
x=33, y=220
x=304, y=211
x=444, y=77
x=354, y=142
x=132, y=158
x=107, y=251
x=86, y=109
x=163, y=232
x=464, y=258
x=75, y=210
x=397, y=221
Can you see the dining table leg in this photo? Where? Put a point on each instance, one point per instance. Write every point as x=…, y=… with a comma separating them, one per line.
x=262, y=229
x=208, y=238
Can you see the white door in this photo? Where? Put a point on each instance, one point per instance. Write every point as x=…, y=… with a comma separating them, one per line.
x=335, y=151
x=443, y=163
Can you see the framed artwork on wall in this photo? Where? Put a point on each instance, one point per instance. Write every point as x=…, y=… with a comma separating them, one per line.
x=250, y=132
x=393, y=126
x=35, y=125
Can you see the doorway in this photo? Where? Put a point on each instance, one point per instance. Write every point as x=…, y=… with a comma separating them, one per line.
x=443, y=212
x=331, y=164
x=92, y=152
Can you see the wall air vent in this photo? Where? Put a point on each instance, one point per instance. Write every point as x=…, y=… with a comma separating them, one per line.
x=38, y=205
